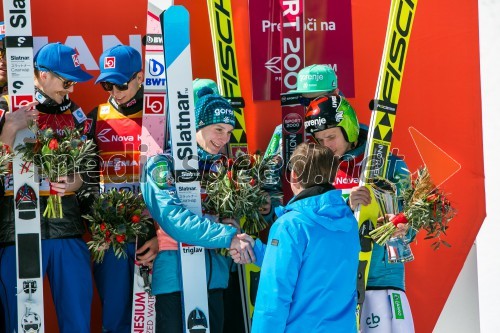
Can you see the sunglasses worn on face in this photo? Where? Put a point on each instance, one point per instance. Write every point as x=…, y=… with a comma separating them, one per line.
x=108, y=86
x=2, y=53
x=66, y=83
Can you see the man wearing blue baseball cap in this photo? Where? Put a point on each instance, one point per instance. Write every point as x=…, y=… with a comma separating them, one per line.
x=65, y=256
x=120, y=117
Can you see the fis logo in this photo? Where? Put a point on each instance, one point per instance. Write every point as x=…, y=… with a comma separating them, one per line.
x=109, y=62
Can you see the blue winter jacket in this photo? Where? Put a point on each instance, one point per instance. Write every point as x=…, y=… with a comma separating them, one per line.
x=158, y=189
x=308, y=276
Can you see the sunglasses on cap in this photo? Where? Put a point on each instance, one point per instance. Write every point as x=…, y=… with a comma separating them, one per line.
x=108, y=86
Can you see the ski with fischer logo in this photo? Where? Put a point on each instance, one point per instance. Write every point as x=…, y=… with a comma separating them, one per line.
x=383, y=117
x=20, y=72
x=182, y=135
x=226, y=65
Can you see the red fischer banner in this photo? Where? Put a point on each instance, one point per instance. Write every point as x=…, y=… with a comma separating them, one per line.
x=327, y=29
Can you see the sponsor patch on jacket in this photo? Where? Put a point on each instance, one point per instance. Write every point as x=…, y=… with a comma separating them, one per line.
x=79, y=115
x=275, y=242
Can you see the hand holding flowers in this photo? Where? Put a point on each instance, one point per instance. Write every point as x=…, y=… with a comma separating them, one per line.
x=424, y=207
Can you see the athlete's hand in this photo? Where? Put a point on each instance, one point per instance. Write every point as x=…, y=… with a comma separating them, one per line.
x=401, y=228
x=66, y=184
x=22, y=117
x=360, y=195
x=16, y=121
x=147, y=253
x=241, y=249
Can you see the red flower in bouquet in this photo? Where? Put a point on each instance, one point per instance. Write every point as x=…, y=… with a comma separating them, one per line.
x=120, y=238
x=53, y=144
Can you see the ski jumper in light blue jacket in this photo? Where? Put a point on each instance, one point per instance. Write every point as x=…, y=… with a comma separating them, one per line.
x=308, y=277
x=158, y=189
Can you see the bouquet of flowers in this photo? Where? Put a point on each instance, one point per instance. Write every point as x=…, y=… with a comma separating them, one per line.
x=116, y=216
x=5, y=159
x=424, y=207
x=56, y=154
x=236, y=190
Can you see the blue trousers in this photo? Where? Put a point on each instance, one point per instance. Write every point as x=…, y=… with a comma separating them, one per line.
x=67, y=265
x=114, y=278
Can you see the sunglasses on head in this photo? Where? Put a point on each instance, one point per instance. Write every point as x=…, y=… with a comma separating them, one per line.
x=108, y=86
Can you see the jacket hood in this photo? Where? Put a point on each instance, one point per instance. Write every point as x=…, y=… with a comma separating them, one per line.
x=328, y=210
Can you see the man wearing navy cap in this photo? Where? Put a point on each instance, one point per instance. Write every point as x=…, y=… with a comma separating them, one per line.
x=119, y=118
x=65, y=256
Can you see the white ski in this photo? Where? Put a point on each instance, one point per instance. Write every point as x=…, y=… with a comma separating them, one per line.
x=176, y=42
x=19, y=46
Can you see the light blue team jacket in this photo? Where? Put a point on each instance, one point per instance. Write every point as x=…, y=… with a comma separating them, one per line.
x=308, y=277
x=158, y=190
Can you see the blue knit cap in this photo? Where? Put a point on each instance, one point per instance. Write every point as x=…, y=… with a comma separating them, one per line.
x=212, y=109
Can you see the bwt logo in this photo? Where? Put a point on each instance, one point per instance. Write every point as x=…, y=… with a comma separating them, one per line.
x=155, y=67
x=109, y=62
x=155, y=104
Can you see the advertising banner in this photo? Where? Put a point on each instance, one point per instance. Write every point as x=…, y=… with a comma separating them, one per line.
x=328, y=40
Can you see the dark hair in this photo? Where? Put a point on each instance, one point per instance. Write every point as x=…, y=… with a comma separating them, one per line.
x=313, y=164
